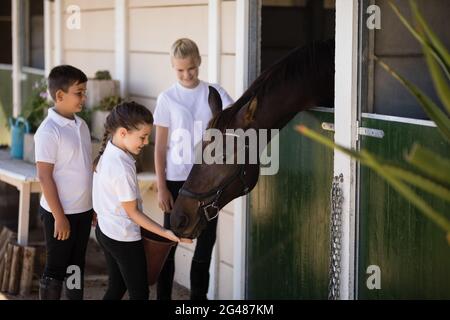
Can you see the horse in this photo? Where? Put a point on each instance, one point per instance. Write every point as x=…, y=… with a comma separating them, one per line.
x=302, y=79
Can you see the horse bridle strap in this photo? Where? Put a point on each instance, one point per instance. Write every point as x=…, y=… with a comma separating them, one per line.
x=216, y=192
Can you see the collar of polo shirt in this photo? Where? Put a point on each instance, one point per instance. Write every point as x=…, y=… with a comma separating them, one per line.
x=60, y=120
x=121, y=153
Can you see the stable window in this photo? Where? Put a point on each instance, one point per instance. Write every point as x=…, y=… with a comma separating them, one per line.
x=401, y=51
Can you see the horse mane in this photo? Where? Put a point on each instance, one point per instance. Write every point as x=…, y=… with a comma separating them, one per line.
x=300, y=64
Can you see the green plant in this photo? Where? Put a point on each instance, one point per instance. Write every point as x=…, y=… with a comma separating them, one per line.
x=86, y=115
x=108, y=103
x=35, y=109
x=102, y=75
x=432, y=171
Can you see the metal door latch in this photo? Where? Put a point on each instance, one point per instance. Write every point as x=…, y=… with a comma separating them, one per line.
x=362, y=131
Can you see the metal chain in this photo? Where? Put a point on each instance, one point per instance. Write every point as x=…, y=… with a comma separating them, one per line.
x=336, y=235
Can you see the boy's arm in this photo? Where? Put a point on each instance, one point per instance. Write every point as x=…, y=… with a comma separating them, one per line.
x=145, y=222
x=48, y=185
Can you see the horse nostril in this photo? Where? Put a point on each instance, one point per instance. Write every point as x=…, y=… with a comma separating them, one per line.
x=183, y=222
x=179, y=221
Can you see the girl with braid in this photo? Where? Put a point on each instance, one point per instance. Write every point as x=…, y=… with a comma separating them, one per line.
x=118, y=204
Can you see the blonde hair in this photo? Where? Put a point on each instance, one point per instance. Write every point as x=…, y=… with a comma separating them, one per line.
x=184, y=48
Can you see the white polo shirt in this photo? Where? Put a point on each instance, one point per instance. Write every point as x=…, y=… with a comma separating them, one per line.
x=115, y=181
x=179, y=108
x=66, y=144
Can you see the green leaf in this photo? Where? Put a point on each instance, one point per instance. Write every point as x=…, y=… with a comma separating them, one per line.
x=443, y=61
x=327, y=142
x=439, y=219
x=369, y=160
x=430, y=162
x=439, y=80
x=438, y=46
x=432, y=110
x=440, y=83
x=419, y=182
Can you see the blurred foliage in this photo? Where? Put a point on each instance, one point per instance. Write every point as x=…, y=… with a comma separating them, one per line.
x=102, y=75
x=108, y=103
x=35, y=109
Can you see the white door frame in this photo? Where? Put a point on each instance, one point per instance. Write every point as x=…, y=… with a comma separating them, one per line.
x=240, y=204
x=346, y=88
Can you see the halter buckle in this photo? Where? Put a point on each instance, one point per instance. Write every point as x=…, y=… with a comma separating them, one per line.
x=212, y=205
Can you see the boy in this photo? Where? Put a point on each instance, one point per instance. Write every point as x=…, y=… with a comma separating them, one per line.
x=64, y=167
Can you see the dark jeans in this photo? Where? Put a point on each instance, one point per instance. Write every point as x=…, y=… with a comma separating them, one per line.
x=201, y=260
x=127, y=268
x=63, y=253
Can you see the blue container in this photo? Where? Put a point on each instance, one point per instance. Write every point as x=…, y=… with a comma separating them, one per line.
x=18, y=130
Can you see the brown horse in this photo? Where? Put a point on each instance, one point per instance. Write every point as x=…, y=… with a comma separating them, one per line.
x=302, y=79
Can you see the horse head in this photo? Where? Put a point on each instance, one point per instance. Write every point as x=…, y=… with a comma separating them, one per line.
x=303, y=79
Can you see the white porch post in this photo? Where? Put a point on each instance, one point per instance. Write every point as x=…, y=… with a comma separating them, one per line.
x=57, y=34
x=47, y=36
x=121, y=45
x=16, y=56
x=345, y=132
x=214, y=40
x=240, y=204
x=214, y=64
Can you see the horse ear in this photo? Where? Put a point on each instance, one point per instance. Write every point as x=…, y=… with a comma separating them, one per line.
x=215, y=101
x=251, y=109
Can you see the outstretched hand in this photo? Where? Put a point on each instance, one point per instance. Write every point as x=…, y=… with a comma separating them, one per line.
x=171, y=236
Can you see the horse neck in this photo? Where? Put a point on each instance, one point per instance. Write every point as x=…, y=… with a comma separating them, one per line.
x=281, y=105
x=273, y=112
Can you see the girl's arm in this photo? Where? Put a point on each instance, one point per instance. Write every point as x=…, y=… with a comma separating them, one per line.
x=147, y=223
x=165, y=200
x=48, y=185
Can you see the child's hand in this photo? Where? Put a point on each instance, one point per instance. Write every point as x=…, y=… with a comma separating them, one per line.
x=170, y=235
x=186, y=240
x=165, y=200
x=61, y=228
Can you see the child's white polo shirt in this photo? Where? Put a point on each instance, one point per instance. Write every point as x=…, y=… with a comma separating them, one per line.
x=66, y=144
x=178, y=109
x=115, y=181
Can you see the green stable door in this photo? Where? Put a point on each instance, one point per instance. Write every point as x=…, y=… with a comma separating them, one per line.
x=288, y=221
x=411, y=252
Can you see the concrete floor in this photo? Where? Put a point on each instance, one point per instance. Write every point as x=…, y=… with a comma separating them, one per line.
x=96, y=278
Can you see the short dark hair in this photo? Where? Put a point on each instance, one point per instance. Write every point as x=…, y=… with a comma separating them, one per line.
x=64, y=76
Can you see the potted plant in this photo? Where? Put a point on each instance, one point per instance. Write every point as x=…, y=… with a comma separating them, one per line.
x=34, y=112
x=100, y=112
x=100, y=87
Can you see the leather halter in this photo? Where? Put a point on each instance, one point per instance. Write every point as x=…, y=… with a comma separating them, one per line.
x=217, y=192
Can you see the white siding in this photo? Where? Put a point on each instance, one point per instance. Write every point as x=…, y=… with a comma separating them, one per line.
x=90, y=48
